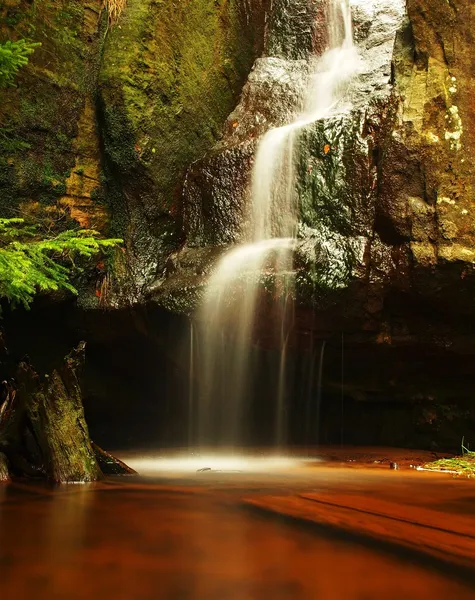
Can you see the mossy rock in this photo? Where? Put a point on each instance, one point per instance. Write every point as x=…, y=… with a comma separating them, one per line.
x=40, y=116
x=171, y=74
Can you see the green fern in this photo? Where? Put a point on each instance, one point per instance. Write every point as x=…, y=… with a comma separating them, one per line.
x=30, y=263
x=14, y=56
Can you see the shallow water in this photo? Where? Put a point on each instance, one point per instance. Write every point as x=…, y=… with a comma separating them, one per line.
x=187, y=535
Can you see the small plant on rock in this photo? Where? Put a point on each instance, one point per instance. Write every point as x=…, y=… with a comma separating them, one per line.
x=114, y=9
x=459, y=465
x=14, y=56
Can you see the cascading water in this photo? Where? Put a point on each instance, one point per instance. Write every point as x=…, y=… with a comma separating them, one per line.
x=231, y=296
x=191, y=377
x=319, y=390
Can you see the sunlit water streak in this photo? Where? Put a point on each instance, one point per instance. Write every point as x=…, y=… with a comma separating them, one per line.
x=222, y=461
x=319, y=389
x=191, y=387
x=232, y=295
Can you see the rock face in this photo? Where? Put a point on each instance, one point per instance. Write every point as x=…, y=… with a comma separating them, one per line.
x=169, y=77
x=105, y=120
x=386, y=196
x=133, y=144
x=427, y=178
x=338, y=157
x=49, y=157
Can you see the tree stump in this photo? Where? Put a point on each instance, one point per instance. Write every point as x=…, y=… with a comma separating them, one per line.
x=43, y=431
x=55, y=411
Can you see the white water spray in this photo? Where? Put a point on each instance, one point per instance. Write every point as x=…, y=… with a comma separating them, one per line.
x=232, y=294
x=273, y=180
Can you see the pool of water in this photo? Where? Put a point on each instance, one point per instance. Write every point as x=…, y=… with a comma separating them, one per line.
x=191, y=538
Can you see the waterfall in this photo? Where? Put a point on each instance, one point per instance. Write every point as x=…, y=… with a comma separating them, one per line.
x=232, y=295
x=191, y=383
x=319, y=391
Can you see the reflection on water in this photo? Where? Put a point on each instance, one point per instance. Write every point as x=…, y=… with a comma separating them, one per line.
x=66, y=522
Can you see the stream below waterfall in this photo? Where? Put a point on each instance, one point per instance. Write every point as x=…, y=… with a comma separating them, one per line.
x=175, y=534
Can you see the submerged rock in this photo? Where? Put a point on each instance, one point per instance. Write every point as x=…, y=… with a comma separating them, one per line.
x=43, y=431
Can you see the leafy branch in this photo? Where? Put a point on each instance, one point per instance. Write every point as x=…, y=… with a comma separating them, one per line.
x=30, y=263
x=14, y=56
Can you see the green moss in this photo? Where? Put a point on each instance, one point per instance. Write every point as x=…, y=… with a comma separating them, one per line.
x=460, y=465
x=119, y=137
x=182, y=302
x=170, y=77
x=11, y=144
x=40, y=116
x=13, y=17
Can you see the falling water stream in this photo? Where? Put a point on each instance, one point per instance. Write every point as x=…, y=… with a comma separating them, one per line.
x=228, y=314
x=319, y=390
x=191, y=387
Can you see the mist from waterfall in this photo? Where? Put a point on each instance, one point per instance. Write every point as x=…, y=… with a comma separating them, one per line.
x=228, y=315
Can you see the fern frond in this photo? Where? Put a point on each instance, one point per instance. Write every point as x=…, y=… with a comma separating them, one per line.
x=29, y=262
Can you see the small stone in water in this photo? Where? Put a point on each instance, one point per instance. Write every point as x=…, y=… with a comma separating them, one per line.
x=394, y=466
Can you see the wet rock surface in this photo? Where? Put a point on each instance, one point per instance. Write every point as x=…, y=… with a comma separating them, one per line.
x=337, y=156
x=386, y=193
x=170, y=76
x=105, y=120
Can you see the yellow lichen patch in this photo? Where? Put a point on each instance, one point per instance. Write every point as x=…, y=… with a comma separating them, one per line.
x=85, y=212
x=432, y=138
x=37, y=212
x=424, y=253
x=416, y=99
x=422, y=216
x=92, y=10
x=445, y=200
x=449, y=229
x=457, y=252
x=84, y=179
x=454, y=130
